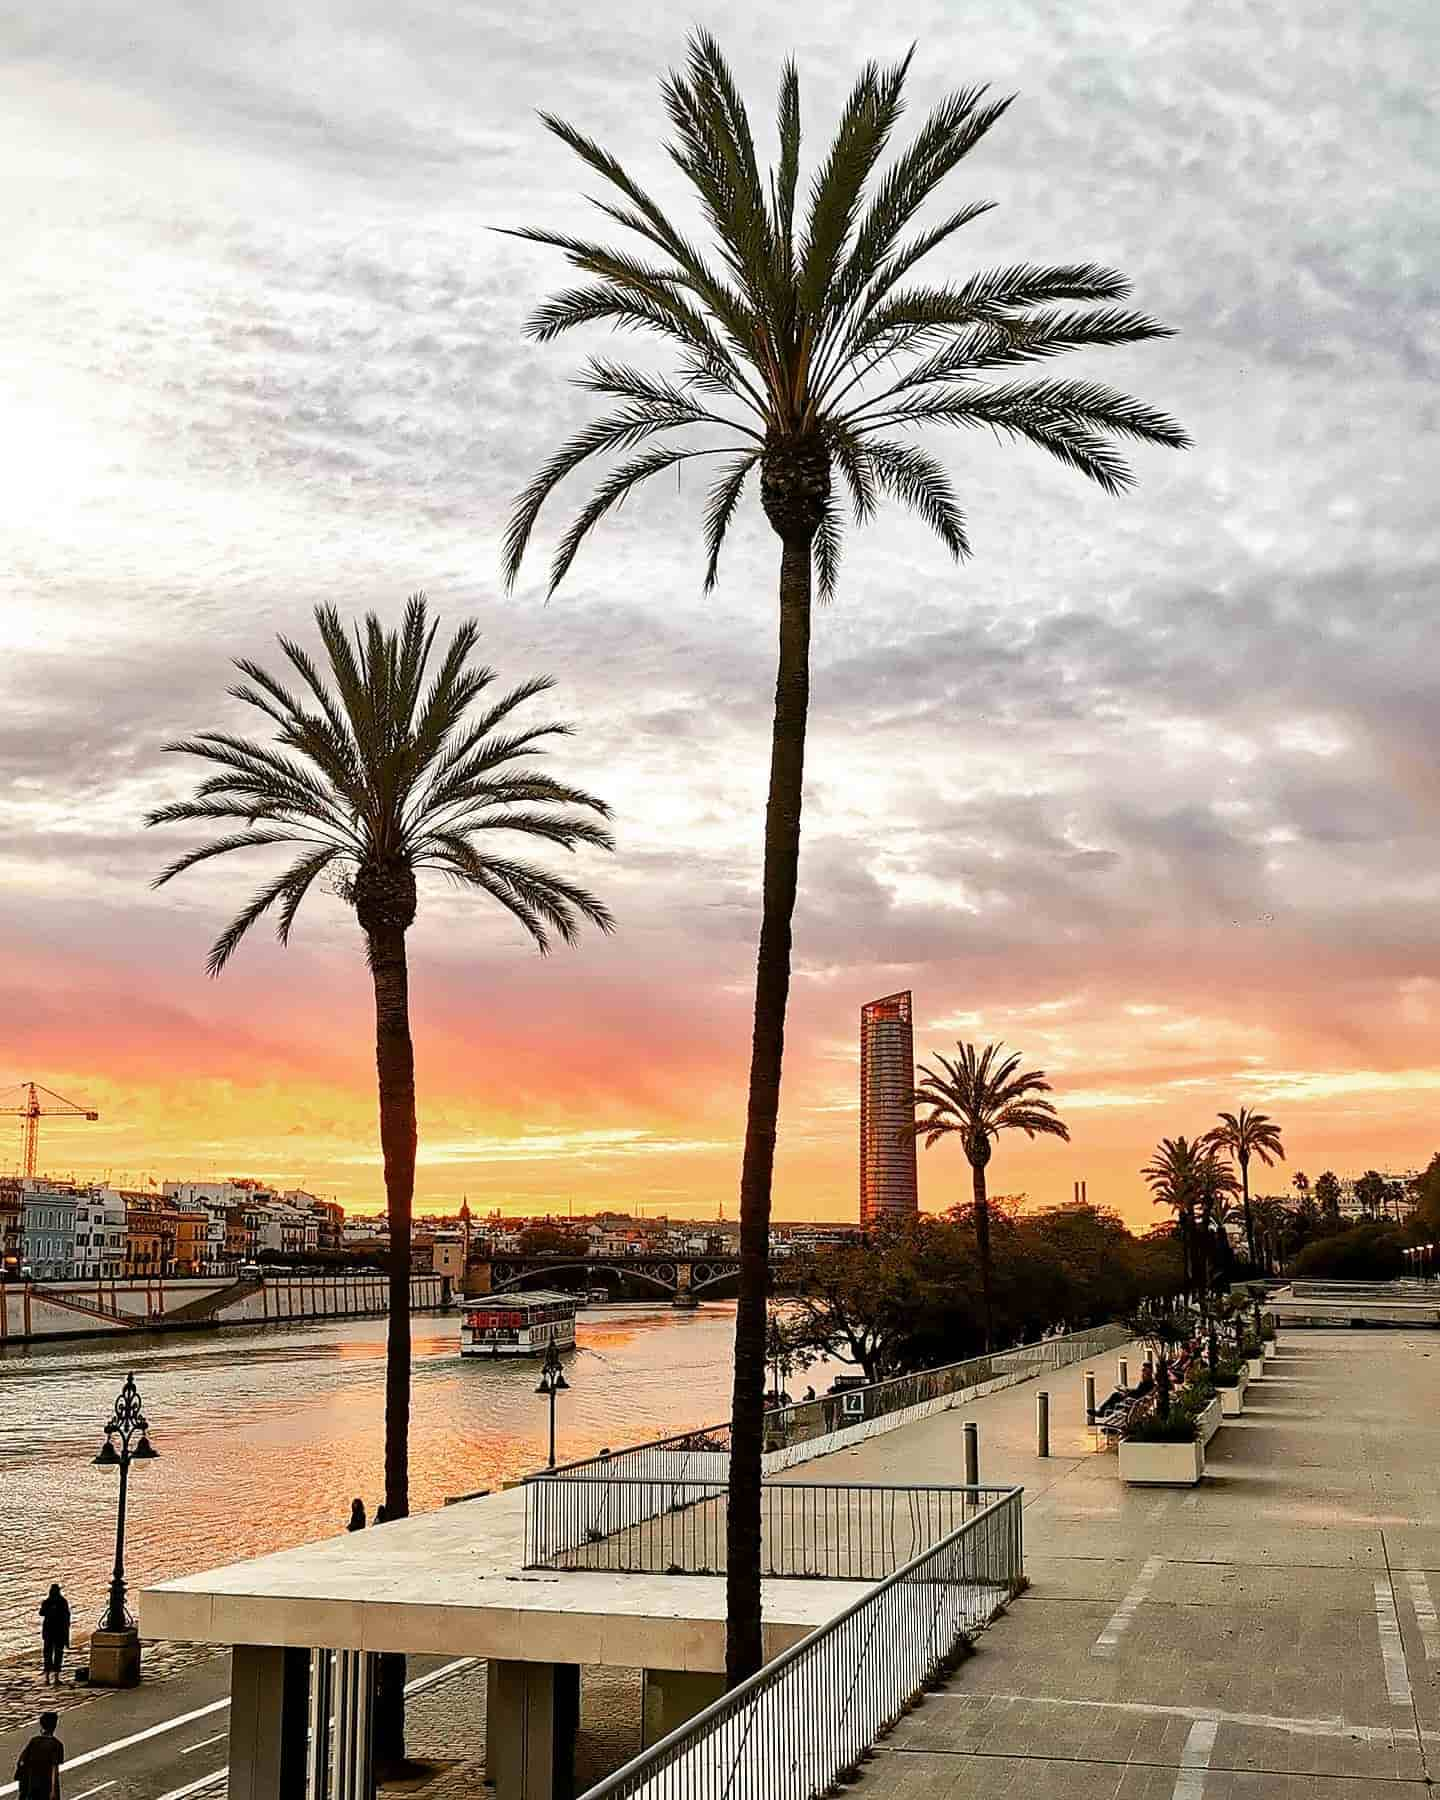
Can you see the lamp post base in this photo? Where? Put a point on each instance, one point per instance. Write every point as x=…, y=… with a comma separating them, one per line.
x=115, y=1659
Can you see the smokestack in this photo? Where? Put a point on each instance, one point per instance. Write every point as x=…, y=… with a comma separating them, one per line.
x=1083, y=1195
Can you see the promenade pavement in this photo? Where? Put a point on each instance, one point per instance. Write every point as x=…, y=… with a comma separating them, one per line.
x=1268, y=1635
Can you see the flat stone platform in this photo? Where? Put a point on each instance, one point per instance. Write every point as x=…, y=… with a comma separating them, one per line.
x=1269, y=1635
x=453, y=1583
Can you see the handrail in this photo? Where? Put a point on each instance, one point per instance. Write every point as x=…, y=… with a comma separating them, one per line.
x=1054, y=1352
x=833, y=1753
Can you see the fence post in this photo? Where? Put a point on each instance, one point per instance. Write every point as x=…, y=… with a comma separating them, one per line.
x=972, y=1454
x=1089, y=1396
x=1042, y=1423
x=1124, y=1373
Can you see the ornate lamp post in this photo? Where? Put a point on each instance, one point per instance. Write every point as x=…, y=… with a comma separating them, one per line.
x=115, y=1648
x=552, y=1382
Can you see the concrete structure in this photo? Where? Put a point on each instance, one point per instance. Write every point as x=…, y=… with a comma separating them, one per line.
x=888, y=1188
x=56, y=1309
x=665, y=1272
x=1406, y=1304
x=454, y=1582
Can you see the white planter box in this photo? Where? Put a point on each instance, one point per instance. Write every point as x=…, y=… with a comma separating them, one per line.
x=1257, y=1367
x=1162, y=1465
x=1270, y=1347
x=1232, y=1401
x=1209, y=1420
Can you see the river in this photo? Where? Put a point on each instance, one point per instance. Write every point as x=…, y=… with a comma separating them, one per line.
x=265, y=1435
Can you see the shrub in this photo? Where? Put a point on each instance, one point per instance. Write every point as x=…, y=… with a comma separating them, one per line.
x=1268, y=1333
x=1228, y=1371
x=1148, y=1427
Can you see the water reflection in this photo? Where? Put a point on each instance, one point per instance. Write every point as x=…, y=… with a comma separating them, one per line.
x=265, y=1436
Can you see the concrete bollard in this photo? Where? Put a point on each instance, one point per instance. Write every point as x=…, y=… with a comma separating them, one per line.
x=1089, y=1396
x=972, y=1454
x=1124, y=1373
x=1042, y=1423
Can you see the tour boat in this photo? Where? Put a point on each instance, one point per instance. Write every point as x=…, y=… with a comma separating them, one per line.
x=517, y=1324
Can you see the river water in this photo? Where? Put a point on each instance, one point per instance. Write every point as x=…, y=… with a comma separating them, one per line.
x=266, y=1434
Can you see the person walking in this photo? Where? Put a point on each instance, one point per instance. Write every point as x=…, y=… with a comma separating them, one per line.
x=54, y=1632
x=38, y=1770
x=357, y=1516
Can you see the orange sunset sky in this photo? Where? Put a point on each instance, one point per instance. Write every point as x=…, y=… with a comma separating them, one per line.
x=1146, y=788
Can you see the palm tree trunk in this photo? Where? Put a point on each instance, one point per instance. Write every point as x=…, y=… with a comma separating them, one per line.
x=1202, y=1258
x=743, y=1641
x=1187, y=1255
x=982, y=1246
x=395, y=1066
x=1249, y=1218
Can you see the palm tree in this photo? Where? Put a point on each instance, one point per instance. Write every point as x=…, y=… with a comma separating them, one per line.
x=976, y=1097
x=1243, y=1135
x=801, y=348
x=1327, y=1195
x=1174, y=1174
x=1214, y=1185
x=381, y=770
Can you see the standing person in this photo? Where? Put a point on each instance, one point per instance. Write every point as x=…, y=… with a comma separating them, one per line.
x=54, y=1632
x=38, y=1770
x=357, y=1516
x=381, y=1515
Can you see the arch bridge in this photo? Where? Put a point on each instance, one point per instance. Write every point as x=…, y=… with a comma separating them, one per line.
x=675, y=1276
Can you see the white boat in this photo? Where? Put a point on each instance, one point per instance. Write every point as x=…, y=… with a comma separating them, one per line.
x=517, y=1324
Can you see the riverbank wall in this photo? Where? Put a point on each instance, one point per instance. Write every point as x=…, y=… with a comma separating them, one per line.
x=34, y=1311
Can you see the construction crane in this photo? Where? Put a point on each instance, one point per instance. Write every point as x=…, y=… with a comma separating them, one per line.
x=31, y=1112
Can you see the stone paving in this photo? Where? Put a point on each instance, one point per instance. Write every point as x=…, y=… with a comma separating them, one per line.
x=1268, y=1635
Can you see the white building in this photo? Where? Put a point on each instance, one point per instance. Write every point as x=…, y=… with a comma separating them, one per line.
x=99, y=1244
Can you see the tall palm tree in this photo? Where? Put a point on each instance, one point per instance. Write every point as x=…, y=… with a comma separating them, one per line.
x=801, y=347
x=975, y=1097
x=1174, y=1176
x=382, y=769
x=1214, y=1185
x=1243, y=1135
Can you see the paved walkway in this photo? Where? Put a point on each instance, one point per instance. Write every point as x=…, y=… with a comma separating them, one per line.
x=1269, y=1635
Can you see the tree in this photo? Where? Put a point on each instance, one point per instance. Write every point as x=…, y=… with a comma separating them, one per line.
x=859, y=1302
x=1425, y=1220
x=1174, y=1176
x=383, y=769
x=1369, y=1252
x=975, y=1098
x=1327, y=1196
x=1372, y=1192
x=801, y=348
x=1243, y=1135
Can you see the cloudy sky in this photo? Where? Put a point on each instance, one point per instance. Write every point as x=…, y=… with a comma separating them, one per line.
x=1146, y=789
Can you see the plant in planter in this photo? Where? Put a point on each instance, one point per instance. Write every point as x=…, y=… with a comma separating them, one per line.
x=1230, y=1378
x=1200, y=1397
x=1269, y=1337
x=1162, y=1450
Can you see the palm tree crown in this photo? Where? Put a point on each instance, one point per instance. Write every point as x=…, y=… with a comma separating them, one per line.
x=979, y=1095
x=1243, y=1135
x=804, y=346
x=376, y=775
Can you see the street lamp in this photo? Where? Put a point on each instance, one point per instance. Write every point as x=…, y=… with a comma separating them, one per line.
x=122, y=1667
x=552, y=1382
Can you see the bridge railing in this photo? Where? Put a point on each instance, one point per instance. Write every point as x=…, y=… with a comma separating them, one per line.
x=839, y=1531
x=806, y=1720
x=794, y=1434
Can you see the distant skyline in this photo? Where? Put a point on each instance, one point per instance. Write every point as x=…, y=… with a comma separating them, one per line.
x=1146, y=789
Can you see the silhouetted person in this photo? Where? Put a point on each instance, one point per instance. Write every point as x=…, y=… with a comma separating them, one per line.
x=38, y=1770
x=381, y=1515
x=357, y=1516
x=54, y=1632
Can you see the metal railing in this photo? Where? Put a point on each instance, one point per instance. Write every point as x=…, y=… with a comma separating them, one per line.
x=838, y=1531
x=807, y=1719
x=638, y=1475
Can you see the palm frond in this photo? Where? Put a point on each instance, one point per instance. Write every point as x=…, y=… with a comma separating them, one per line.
x=914, y=478
x=720, y=509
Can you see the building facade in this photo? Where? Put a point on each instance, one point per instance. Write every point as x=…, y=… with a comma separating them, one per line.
x=888, y=1185
x=99, y=1250
x=149, y=1235
x=47, y=1245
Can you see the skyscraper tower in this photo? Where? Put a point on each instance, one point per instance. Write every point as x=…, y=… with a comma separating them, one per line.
x=887, y=1082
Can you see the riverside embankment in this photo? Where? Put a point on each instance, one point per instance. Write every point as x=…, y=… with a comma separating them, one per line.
x=32, y=1311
